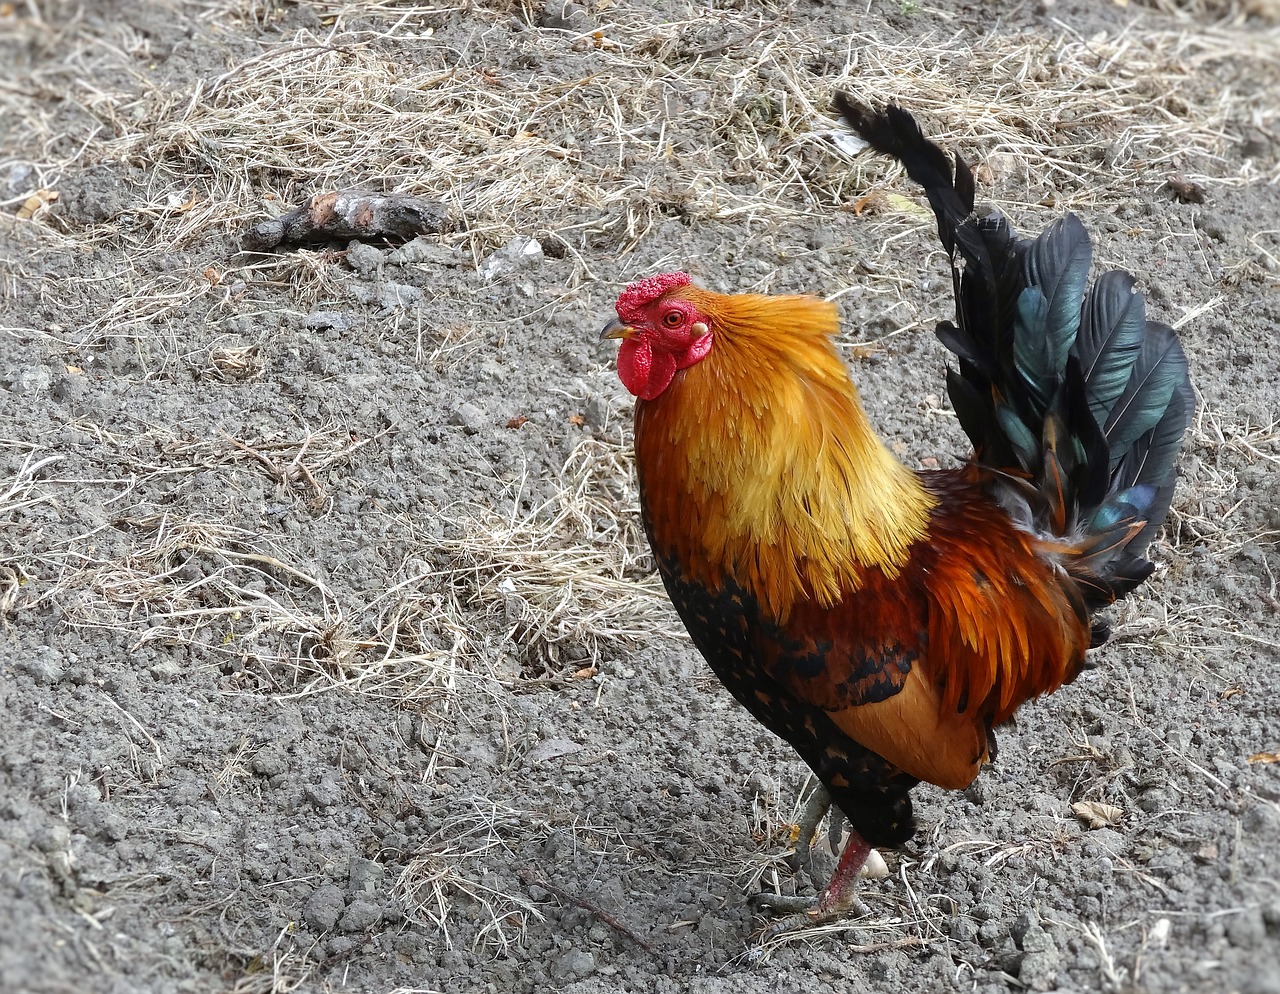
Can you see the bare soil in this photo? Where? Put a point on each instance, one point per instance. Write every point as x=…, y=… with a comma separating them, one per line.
x=331, y=655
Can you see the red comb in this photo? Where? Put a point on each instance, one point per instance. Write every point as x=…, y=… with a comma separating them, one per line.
x=644, y=292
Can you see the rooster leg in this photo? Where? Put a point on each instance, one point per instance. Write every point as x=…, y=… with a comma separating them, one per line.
x=817, y=804
x=837, y=900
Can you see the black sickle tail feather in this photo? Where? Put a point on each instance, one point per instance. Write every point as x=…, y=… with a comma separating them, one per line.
x=1062, y=384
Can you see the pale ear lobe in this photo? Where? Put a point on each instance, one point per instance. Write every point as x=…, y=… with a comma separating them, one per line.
x=699, y=329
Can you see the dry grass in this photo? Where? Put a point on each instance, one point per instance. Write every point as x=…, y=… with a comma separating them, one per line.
x=1229, y=12
x=445, y=869
x=369, y=99
x=566, y=574
x=549, y=593
x=282, y=969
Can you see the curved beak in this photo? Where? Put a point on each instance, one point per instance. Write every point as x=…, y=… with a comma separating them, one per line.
x=617, y=328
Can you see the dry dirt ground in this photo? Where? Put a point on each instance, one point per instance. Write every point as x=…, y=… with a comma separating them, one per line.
x=331, y=656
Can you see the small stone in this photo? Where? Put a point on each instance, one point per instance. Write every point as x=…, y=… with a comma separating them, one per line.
x=574, y=965
x=365, y=875
x=387, y=295
x=323, y=907
x=324, y=320
x=44, y=665
x=1036, y=940
x=518, y=253
x=563, y=15
x=52, y=838
x=363, y=258
x=1023, y=924
x=360, y=915
x=341, y=945
x=29, y=379
x=421, y=251
x=469, y=417
x=269, y=761
x=20, y=174
x=1039, y=971
x=165, y=668
x=356, y=760
x=1247, y=930
x=1042, y=961
x=596, y=411
x=325, y=794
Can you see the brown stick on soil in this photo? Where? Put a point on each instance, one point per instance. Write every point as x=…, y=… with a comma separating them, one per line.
x=348, y=214
x=534, y=879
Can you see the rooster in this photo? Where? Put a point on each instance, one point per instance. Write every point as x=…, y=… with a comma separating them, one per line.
x=882, y=620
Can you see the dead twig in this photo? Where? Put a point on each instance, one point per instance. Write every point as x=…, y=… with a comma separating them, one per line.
x=536, y=880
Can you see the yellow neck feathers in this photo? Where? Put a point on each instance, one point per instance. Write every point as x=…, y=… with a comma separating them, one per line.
x=758, y=462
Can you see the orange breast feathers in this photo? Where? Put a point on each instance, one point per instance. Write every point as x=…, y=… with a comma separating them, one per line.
x=917, y=667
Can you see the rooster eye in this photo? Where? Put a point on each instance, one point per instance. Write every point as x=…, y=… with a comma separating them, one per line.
x=673, y=319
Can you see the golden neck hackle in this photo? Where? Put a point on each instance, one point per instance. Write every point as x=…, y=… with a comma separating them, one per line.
x=758, y=462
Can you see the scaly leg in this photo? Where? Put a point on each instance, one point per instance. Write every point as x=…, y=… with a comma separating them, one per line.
x=836, y=901
x=817, y=804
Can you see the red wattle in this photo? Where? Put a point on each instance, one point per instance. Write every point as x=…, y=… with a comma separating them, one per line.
x=643, y=371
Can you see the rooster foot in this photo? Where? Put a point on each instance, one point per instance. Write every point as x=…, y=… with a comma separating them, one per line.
x=804, y=913
x=837, y=900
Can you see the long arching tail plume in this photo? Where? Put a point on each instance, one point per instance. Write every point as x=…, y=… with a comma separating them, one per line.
x=1064, y=387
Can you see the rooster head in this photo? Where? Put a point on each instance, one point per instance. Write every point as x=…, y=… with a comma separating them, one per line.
x=662, y=331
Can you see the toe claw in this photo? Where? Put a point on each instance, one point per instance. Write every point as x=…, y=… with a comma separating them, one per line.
x=782, y=902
